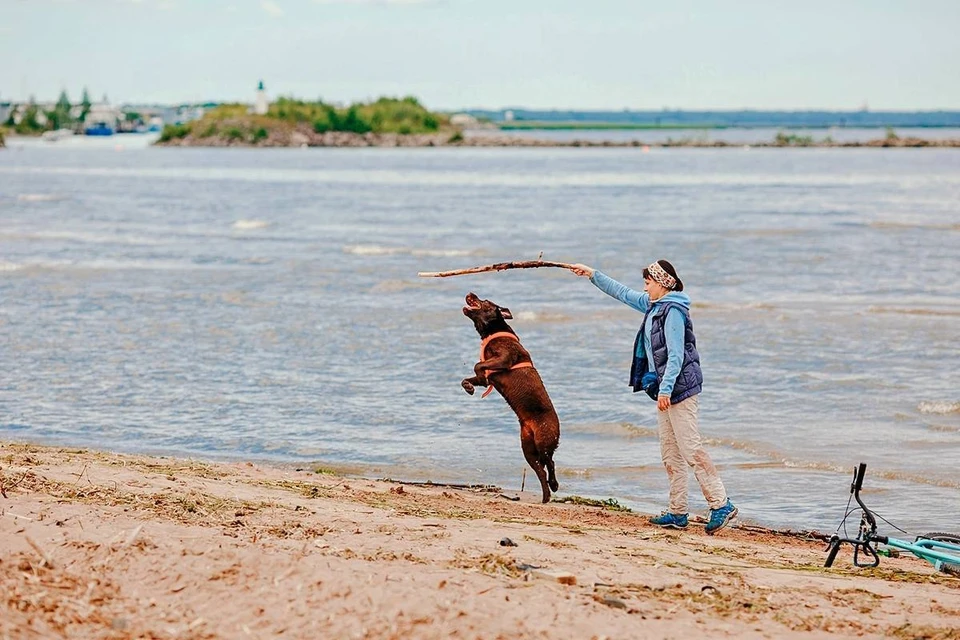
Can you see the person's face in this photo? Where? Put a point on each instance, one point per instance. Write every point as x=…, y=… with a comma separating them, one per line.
x=654, y=288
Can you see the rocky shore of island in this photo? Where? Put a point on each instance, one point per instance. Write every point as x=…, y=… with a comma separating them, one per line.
x=304, y=136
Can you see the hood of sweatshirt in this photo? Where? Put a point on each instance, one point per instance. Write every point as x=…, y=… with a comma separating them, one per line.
x=677, y=297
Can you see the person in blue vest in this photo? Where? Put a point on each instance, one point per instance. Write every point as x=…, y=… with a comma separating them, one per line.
x=666, y=366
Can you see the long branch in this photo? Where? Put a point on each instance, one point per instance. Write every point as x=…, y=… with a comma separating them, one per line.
x=500, y=266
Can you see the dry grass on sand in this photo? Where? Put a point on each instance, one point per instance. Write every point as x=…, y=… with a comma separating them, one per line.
x=97, y=545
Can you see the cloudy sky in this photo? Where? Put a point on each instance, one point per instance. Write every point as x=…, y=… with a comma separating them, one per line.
x=575, y=54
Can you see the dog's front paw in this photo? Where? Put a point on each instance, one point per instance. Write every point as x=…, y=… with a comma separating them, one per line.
x=467, y=386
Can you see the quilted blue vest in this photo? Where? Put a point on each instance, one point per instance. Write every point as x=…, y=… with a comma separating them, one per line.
x=690, y=379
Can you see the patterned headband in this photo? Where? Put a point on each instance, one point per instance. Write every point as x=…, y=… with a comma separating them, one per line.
x=661, y=277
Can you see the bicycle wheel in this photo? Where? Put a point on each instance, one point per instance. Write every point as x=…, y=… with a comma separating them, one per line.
x=950, y=538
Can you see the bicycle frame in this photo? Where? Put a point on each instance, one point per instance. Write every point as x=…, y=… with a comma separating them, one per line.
x=936, y=552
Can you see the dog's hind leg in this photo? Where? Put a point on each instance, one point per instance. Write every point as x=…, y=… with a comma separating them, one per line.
x=530, y=452
x=552, y=474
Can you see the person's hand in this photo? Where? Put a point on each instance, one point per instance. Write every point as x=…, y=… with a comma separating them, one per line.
x=663, y=403
x=583, y=270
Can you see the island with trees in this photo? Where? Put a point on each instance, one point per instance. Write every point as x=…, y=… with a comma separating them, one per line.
x=290, y=122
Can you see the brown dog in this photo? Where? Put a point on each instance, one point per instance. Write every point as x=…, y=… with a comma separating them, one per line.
x=507, y=367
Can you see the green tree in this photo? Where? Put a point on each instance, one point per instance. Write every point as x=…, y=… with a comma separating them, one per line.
x=354, y=122
x=59, y=117
x=63, y=102
x=28, y=122
x=85, y=103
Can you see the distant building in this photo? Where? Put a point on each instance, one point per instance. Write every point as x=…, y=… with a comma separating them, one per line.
x=508, y=116
x=260, y=105
x=464, y=120
x=188, y=113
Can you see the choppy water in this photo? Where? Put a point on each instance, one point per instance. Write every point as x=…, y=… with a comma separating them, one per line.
x=265, y=304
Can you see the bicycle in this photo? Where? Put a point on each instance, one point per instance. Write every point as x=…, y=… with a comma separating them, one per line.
x=942, y=550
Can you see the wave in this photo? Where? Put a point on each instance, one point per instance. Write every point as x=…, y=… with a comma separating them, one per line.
x=771, y=457
x=611, y=429
x=103, y=264
x=83, y=237
x=381, y=250
x=766, y=233
x=943, y=428
x=938, y=407
x=592, y=472
x=882, y=224
x=542, y=316
x=914, y=311
x=248, y=225
x=40, y=197
x=729, y=306
x=393, y=286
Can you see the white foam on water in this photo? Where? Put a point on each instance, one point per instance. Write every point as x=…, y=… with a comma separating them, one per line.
x=938, y=407
x=10, y=266
x=541, y=316
x=371, y=250
x=443, y=253
x=248, y=225
x=40, y=197
x=381, y=250
x=83, y=237
x=104, y=264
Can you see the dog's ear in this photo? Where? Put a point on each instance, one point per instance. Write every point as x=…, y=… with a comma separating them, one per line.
x=505, y=313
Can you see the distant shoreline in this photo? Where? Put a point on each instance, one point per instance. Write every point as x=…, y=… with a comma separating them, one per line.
x=309, y=139
x=306, y=138
x=693, y=126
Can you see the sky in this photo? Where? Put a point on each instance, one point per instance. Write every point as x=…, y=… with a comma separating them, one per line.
x=494, y=54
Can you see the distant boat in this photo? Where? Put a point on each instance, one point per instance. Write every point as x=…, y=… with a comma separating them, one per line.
x=101, y=120
x=99, y=129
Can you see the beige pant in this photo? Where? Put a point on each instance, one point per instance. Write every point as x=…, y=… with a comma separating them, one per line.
x=680, y=448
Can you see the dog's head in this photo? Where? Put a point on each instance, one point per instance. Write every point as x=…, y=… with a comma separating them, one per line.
x=488, y=317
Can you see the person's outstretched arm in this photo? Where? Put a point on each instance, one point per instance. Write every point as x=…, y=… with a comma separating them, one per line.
x=639, y=300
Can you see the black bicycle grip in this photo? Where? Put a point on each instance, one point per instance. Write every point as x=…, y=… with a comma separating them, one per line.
x=861, y=471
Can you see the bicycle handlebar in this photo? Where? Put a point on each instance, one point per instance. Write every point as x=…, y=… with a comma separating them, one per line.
x=860, y=472
x=868, y=529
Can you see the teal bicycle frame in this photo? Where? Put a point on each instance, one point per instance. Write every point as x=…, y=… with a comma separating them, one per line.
x=945, y=556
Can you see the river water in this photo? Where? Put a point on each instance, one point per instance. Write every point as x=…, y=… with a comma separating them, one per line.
x=265, y=305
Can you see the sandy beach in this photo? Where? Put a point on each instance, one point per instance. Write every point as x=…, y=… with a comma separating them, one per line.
x=100, y=545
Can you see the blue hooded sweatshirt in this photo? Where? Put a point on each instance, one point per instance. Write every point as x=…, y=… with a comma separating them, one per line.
x=674, y=325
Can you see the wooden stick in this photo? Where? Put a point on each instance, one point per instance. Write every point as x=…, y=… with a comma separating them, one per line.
x=445, y=485
x=500, y=266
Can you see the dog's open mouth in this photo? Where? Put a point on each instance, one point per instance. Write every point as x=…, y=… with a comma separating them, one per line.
x=473, y=302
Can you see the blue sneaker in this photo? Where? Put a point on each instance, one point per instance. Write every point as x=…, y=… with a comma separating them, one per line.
x=670, y=520
x=719, y=518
